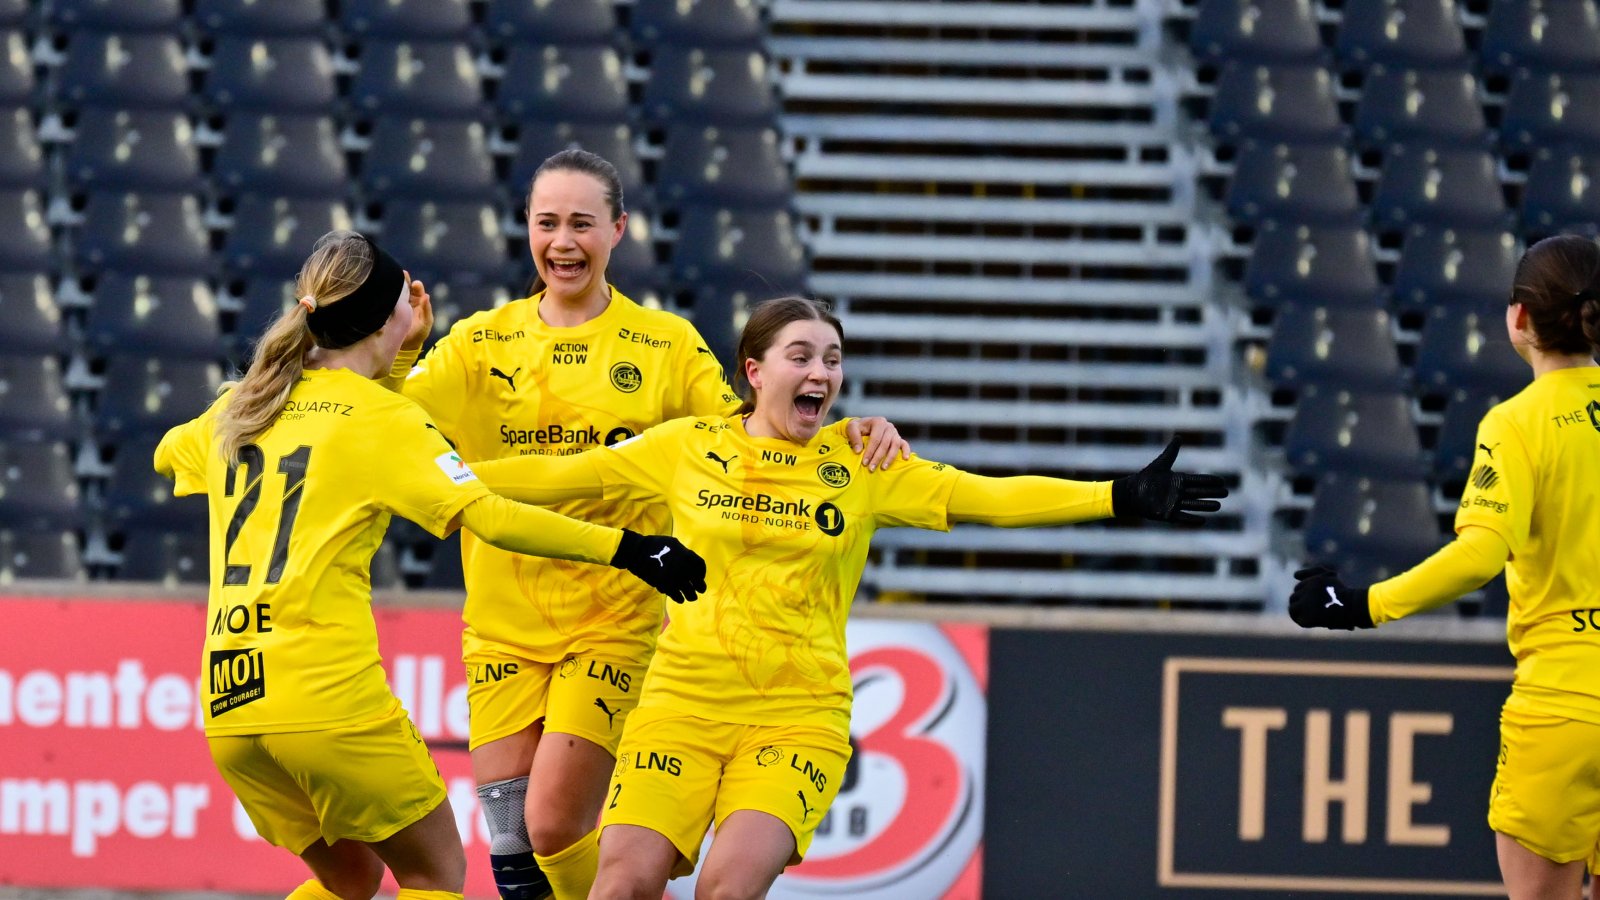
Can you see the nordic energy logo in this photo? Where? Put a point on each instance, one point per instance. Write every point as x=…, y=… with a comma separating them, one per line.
x=909, y=815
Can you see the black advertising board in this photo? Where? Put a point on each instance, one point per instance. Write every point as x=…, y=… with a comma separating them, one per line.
x=1133, y=765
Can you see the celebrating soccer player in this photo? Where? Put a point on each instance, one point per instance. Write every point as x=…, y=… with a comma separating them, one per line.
x=1532, y=508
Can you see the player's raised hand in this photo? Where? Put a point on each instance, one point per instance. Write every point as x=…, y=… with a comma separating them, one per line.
x=1321, y=600
x=1160, y=494
x=662, y=562
x=883, y=441
x=421, y=315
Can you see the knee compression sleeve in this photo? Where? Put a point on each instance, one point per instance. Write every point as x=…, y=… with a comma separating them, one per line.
x=516, y=873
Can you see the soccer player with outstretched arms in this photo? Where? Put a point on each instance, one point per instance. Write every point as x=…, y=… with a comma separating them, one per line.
x=303, y=462
x=1532, y=508
x=555, y=650
x=743, y=722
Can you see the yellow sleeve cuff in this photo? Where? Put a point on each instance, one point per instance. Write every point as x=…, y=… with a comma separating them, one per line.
x=1465, y=564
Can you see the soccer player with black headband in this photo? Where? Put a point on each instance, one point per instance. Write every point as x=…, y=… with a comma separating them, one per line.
x=303, y=461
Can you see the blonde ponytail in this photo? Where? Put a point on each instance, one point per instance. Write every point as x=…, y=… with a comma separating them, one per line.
x=337, y=265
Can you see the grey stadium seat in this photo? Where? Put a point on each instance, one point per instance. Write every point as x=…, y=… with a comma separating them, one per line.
x=171, y=317
x=33, y=402
x=1542, y=36
x=279, y=18
x=33, y=319
x=137, y=150
x=272, y=235
x=1560, y=191
x=1357, y=432
x=1322, y=265
x=1333, y=348
x=439, y=240
x=552, y=83
x=1400, y=105
x=1406, y=33
x=285, y=75
x=1468, y=351
x=1438, y=184
x=1371, y=528
x=1293, y=183
x=34, y=555
x=115, y=15
x=155, y=233
x=96, y=71
x=147, y=395
x=564, y=22
x=707, y=23
x=436, y=19
x=1275, y=102
x=1255, y=30
x=1459, y=268
x=419, y=79
x=282, y=155
x=40, y=489
x=429, y=159
x=688, y=85
x=725, y=165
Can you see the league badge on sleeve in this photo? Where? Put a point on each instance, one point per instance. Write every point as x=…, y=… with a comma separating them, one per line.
x=452, y=465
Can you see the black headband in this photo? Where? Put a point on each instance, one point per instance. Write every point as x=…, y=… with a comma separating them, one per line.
x=362, y=311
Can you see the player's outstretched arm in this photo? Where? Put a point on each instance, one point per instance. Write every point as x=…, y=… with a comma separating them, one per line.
x=662, y=562
x=1162, y=495
x=1321, y=600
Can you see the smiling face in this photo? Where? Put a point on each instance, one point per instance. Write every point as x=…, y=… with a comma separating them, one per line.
x=571, y=233
x=796, y=381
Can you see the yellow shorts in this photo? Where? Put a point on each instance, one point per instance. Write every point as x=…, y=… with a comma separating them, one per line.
x=678, y=774
x=362, y=782
x=1546, y=793
x=582, y=695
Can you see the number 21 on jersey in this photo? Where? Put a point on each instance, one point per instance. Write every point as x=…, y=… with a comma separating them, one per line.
x=245, y=478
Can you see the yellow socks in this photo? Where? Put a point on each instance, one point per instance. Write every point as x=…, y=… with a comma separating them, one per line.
x=571, y=871
x=312, y=890
x=416, y=894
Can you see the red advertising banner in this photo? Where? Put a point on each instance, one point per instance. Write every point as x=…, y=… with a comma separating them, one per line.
x=106, y=782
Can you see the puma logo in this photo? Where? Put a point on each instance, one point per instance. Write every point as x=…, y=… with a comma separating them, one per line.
x=611, y=714
x=1333, y=599
x=723, y=462
x=1488, y=449
x=702, y=350
x=805, y=810
x=657, y=556
x=496, y=373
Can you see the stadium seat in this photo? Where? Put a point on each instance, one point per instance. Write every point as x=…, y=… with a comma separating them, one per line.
x=271, y=235
x=1333, y=348
x=21, y=157
x=154, y=233
x=613, y=141
x=688, y=85
x=170, y=317
x=454, y=302
x=727, y=166
x=1457, y=268
x=707, y=23
x=1255, y=31
x=550, y=83
x=1293, y=183
x=253, y=18
x=146, y=395
x=38, y=485
x=24, y=236
x=135, y=150
x=418, y=79
x=26, y=554
x=1458, y=432
x=115, y=15
x=260, y=300
x=1349, y=431
x=446, y=241
x=17, y=84
x=1549, y=109
x=1468, y=351
x=423, y=159
x=1542, y=36
x=633, y=266
x=1282, y=102
x=14, y=12
x=715, y=313
x=562, y=22
x=1401, y=33
x=738, y=248
x=444, y=566
x=33, y=403
x=1560, y=191
x=1370, y=528
x=384, y=570
x=280, y=155
x=33, y=320
x=168, y=557
x=1437, y=185
x=1399, y=105
x=139, y=499
x=97, y=71
x=432, y=19
x=283, y=75
x=1321, y=265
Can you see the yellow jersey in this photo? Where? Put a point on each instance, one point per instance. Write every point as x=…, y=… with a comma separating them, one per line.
x=1535, y=481
x=501, y=384
x=784, y=530
x=290, y=641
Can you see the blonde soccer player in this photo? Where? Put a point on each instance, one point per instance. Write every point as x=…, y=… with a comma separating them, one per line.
x=743, y=723
x=555, y=650
x=303, y=462
x=1532, y=508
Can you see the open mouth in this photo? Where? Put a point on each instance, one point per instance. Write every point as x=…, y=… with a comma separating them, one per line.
x=809, y=405
x=562, y=268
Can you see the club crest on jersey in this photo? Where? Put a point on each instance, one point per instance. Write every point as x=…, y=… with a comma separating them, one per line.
x=768, y=756
x=569, y=667
x=453, y=467
x=833, y=474
x=626, y=377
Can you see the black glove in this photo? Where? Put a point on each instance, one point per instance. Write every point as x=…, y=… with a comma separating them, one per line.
x=662, y=562
x=1321, y=600
x=1156, y=492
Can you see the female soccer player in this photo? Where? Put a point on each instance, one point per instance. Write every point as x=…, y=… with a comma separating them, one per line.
x=303, y=463
x=555, y=650
x=745, y=713
x=1531, y=507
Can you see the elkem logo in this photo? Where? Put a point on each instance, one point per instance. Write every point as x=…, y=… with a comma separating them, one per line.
x=626, y=377
x=453, y=467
